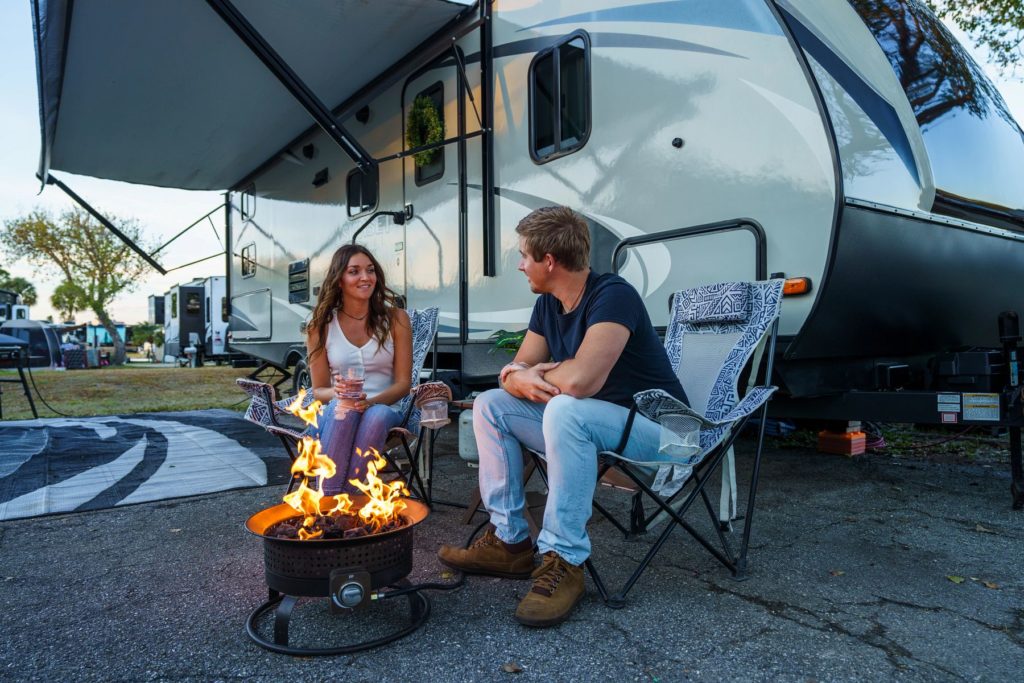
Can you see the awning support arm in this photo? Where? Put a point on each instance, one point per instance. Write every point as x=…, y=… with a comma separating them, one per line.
x=50, y=180
x=465, y=83
x=196, y=222
x=291, y=81
x=192, y=263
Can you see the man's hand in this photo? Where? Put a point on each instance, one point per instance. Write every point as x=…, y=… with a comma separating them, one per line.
x=530, y=383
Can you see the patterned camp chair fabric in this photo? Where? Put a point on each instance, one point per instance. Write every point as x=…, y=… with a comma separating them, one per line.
x=260, y=408
x=726, y=302
x=712, y=333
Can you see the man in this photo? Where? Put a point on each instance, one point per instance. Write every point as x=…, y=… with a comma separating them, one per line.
x=590, y=346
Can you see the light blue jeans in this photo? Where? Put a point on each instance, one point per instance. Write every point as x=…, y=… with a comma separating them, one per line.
x=340, y=438
x=570, y=432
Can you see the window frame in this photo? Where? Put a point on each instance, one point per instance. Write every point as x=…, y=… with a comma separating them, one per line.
x=248, y=258
x=247, y=203
x=428, y=92
x=374, y=174
x=554, y=50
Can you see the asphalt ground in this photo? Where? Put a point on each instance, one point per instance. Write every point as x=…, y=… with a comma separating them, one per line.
x=861, y=569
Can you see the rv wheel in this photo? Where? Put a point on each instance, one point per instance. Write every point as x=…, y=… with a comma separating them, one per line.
x=300, y=376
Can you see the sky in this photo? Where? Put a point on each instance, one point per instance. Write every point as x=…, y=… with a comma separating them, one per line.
x=161, y=212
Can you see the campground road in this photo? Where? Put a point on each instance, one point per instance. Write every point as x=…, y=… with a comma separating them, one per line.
x=855, y=569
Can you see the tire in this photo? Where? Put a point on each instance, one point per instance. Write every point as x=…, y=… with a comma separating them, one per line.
x=300, y=376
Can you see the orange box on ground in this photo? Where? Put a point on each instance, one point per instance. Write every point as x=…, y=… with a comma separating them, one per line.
x=842, y=443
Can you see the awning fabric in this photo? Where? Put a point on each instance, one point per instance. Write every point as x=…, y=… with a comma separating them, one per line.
x=165, y=94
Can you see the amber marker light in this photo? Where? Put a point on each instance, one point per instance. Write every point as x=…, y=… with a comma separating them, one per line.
x=796, y=285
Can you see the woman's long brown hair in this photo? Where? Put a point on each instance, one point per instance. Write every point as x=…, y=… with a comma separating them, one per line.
x=330, y=299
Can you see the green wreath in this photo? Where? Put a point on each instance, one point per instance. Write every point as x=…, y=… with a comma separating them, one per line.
x=424, y=128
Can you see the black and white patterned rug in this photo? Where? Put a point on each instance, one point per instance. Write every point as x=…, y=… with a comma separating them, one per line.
x=71, y=464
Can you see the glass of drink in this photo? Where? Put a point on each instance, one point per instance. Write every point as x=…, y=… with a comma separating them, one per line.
x=348, y=385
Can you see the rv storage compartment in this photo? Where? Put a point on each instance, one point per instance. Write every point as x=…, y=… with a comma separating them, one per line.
x=973, y=370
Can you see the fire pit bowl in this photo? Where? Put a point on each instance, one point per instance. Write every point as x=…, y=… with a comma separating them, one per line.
x=303, y=568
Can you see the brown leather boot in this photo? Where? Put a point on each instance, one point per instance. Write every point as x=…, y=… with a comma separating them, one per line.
x=488, y=555
x=557, y=587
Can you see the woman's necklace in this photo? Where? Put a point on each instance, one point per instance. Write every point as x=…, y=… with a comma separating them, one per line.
x=355, y=317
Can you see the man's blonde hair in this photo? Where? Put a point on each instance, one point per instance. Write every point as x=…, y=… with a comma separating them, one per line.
x=559, y=231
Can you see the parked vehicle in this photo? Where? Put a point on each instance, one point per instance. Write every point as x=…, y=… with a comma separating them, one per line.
x=11, y=307
x=43, y=341
x=852, y=143
x=196, y=321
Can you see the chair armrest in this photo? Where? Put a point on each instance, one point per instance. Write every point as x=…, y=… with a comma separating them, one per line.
x=654, y=403
x=430, y=391
x=284, y=431
x=754, y=399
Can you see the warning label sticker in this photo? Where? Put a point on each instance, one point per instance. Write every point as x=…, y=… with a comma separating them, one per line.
x=949, y=418
x=981, y=407
x=949, y=403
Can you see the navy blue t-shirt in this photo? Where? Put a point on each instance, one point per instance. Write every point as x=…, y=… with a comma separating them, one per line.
x=609, y=299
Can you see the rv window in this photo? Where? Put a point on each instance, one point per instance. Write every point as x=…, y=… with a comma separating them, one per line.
x=207, y=310
x=193, y=304
x=434, y=169
x=361, y=190
x=958, y=109
x=560, y=98
x=174, y=305
x=224, y=317
x=248, y=203
x=248, y=260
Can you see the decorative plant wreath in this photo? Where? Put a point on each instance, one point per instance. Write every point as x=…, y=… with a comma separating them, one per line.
x=424, y=128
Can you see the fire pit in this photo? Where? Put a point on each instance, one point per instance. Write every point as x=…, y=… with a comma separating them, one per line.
x=350, y=572
x=367, y=563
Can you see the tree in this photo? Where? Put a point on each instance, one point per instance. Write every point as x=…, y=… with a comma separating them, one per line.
x=68, y=298
x=995, y=25
x=19, y=285
x=95, y=266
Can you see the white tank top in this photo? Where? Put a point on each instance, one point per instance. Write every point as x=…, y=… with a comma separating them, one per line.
x=378, y=361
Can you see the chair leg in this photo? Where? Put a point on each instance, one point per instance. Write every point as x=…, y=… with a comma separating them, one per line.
x=414, y=471
x=741, y=561
x=289, y=448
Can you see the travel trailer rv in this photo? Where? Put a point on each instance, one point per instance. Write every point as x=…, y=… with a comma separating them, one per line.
x=184, y=316
x=196, y=320
x=11, y=307
x=853, y=144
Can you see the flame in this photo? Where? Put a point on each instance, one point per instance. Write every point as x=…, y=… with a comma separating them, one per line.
x=384, y=498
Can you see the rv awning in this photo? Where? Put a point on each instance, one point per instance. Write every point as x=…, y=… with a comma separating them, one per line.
x=164, y=93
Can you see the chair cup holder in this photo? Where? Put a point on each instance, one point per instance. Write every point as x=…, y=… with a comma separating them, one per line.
x=434, y=413
x=680, y=436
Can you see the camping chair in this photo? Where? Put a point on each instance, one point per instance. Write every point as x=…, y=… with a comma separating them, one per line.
x=267, y=412
x=713, y=332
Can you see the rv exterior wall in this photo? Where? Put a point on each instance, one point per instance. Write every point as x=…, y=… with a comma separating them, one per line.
x=732, y=88
x=788, y=113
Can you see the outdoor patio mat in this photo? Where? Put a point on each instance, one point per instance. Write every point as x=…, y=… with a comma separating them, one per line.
x=71, y=464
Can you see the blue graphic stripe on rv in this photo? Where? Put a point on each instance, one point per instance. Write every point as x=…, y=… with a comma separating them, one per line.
x=745, y=15
x=881, y=113
x=603, y=40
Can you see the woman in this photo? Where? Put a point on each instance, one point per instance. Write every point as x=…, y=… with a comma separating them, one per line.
x=356, y=323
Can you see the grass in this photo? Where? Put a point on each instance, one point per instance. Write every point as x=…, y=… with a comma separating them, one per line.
x=125, y=389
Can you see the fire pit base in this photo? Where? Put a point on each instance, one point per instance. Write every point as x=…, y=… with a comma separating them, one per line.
x=419, y=610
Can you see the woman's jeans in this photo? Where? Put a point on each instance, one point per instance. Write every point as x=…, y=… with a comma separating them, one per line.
x=570, y=432
x=339, y=439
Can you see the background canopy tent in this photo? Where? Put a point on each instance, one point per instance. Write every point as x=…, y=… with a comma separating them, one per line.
x=167, y=94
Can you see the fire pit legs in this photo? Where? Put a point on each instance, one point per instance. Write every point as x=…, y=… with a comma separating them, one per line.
x=419, y=610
